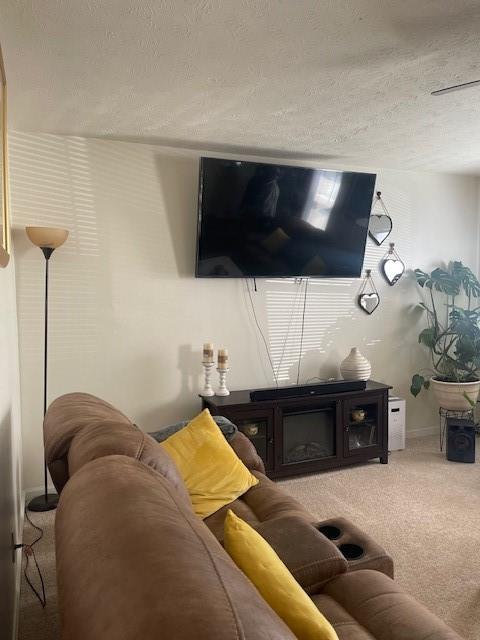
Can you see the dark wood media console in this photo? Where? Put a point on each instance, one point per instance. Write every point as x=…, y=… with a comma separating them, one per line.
x=306, y=434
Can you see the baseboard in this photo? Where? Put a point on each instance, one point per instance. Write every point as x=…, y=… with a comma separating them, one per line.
x=33, y=492
x=422, y=431
x=18, y=570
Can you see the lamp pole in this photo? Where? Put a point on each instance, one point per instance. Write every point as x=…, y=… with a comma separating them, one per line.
x=48, y=240
x=47, y=252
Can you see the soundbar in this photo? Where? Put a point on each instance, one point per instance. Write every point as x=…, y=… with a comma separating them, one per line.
x=318, y=389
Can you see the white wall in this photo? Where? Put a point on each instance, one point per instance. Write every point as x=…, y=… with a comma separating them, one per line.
x=10, y=449
x=128, y=318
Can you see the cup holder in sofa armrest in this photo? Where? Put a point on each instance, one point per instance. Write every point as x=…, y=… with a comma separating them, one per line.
x=351, y=551
x=329, y=531
x=309, y=555
x=358, y=548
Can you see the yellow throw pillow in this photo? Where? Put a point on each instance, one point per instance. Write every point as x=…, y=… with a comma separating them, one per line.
x=259, y=562
x=213, y=473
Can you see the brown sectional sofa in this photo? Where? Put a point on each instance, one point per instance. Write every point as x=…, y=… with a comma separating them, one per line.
x=134, y=562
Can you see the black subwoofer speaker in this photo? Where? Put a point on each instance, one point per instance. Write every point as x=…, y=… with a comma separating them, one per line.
x=460, y=440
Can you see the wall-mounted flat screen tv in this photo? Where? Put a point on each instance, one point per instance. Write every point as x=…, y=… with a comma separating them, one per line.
x=267, y=220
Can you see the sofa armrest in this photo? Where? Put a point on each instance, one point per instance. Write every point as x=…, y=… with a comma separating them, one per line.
x=247, y=452
x=312, y=559
x=67, y=416
x=344, y=533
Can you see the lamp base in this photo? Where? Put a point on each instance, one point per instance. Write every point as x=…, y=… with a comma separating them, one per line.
x=43, y=503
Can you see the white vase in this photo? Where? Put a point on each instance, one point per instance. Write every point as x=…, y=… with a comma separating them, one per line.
x=355, y=366
x=451, y=395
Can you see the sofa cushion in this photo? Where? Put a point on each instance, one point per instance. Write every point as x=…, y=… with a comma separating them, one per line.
x=345, y=625
x=264, y=502
x=133, y=561
x=379, y=605
x=213, y=474
x=265, y=569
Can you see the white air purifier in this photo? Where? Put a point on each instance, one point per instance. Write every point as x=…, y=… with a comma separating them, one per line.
x=396, y=423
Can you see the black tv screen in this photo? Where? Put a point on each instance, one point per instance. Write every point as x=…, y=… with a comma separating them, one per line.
x=266, y=220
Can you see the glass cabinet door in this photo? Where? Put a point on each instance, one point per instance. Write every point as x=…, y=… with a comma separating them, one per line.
x=257, y=427
x=362, y=420
x=256, y=431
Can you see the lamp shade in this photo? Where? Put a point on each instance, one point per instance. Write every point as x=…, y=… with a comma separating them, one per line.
x=47, y=237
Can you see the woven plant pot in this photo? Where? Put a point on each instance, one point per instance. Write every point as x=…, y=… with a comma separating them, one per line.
x=451, y=395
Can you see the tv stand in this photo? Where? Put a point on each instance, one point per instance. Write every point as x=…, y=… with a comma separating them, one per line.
x=296, y=435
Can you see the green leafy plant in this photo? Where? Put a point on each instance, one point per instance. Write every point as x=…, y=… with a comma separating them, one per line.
x=452, y=334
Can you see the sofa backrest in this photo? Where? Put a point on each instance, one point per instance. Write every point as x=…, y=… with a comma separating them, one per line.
x=116, y=438
x=133, y=561
x=247, y=452
x=80, y=427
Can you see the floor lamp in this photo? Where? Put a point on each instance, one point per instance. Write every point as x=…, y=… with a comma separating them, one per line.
x=48, y=239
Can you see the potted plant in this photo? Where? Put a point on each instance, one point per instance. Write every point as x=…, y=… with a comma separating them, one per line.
x=452, y=335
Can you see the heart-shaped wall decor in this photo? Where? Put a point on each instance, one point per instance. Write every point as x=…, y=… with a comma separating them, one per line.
x=379, y=227
x=393, y=270
x=369, y=302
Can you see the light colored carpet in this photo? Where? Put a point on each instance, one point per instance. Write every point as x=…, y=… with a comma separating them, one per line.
x=424, y=510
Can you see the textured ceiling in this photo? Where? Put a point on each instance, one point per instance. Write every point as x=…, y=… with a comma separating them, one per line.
x=327, y=79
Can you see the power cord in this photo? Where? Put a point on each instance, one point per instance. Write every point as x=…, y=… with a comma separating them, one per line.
x=302, y=330
x=30, y=553
x=290, y=321
x=261, y=333
x=276, y=372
